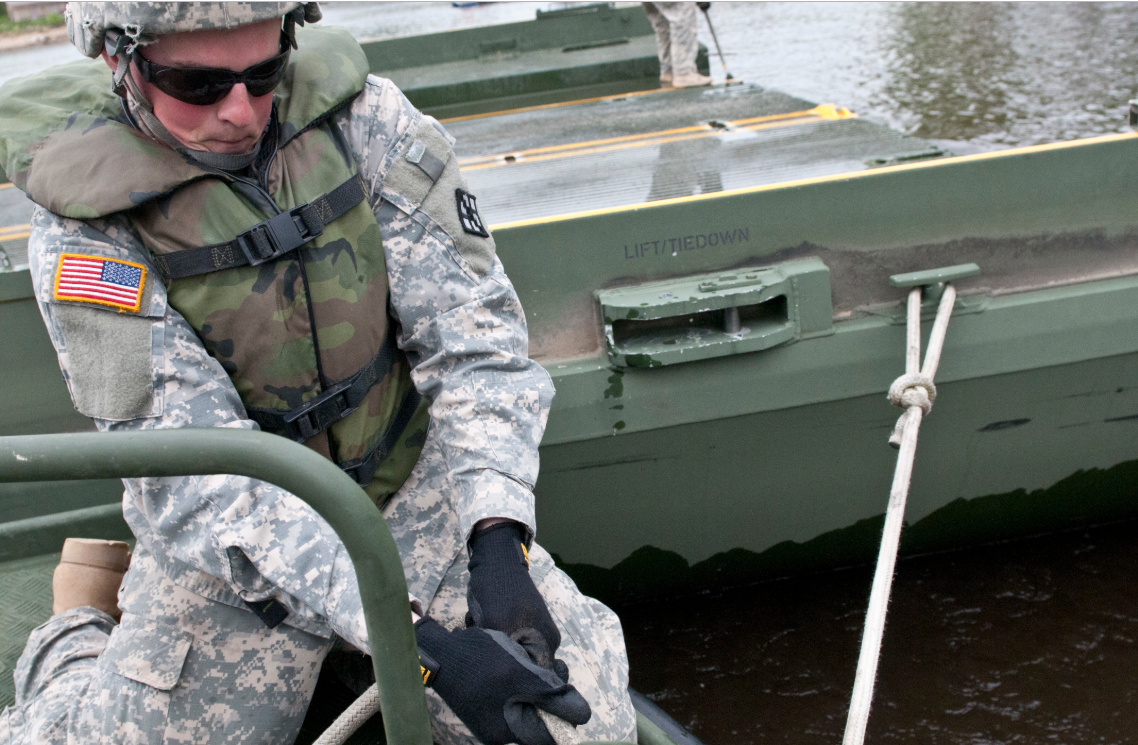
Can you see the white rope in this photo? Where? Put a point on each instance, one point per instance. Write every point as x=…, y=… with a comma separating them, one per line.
x=914, y=392
x=367, y=706
x=361, y=710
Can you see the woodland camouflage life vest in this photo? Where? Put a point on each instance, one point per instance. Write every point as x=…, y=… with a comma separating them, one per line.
x=284, y=281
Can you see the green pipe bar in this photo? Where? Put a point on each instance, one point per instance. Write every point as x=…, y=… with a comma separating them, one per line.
x=293, y=467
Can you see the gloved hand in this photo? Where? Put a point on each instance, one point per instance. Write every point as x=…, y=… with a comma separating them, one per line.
x=502, y=595
x=493, y=686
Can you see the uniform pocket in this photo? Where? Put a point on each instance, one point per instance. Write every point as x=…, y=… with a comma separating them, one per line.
x=105, y=314
x=148, y=652
x=128, y=699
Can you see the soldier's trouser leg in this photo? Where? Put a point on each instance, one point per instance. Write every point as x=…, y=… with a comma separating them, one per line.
x=682, y=35
x=592, y=645
x=663, y=38
x=52, y=676
x=187, y=670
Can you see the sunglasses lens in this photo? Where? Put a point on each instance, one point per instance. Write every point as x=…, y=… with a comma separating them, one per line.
x=194, y=86
x=202, y=86
x=263, y=78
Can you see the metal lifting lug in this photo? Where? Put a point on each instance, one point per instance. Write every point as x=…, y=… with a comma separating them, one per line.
x=309, y=420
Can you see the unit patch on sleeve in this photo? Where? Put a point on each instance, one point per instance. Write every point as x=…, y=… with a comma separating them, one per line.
x=95, y=279
x=468, y=213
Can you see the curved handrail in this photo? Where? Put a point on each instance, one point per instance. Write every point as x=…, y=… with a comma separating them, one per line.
x=293, y=467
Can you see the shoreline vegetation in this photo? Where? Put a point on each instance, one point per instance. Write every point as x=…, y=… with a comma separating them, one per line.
x=50, y=29
x=8, y=27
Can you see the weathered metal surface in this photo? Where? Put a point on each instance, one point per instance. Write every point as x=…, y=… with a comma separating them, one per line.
x=626, y=150
x=700, y=317
x=563, y=55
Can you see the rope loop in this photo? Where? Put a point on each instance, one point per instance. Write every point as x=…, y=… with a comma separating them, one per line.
x=913, y=389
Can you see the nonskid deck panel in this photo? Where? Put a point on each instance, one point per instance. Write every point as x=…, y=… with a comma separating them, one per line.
x=623, y=150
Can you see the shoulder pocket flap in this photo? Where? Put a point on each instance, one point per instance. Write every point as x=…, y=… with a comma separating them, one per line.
x=414, y=172
x=103, y=280
x=151, y=653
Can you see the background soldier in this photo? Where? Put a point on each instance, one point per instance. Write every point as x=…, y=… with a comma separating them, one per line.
x=677, y=44
x=255, y=232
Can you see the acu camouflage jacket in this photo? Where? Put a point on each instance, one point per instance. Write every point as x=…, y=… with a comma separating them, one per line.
x=460, y=329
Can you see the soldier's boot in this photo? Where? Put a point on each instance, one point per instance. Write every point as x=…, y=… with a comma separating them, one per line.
x=89, y=574
x=665, y=80
x=690, y=80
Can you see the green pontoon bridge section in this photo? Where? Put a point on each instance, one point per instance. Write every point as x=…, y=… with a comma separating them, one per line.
x=646, y=147
x=594, y=50
x=770, y=460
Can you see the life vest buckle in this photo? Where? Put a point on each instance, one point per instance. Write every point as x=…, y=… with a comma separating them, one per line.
x=273, y=238
x=309, y=420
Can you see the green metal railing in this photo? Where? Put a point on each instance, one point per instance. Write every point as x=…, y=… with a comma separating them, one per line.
x=293, y=467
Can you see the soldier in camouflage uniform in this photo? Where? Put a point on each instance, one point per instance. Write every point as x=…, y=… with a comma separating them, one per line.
x=677, y=43
x=238, y=590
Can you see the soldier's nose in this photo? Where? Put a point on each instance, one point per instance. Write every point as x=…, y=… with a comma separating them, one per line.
x=237, y=107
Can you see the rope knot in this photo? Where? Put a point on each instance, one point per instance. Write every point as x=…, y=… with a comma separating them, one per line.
x=913, y=389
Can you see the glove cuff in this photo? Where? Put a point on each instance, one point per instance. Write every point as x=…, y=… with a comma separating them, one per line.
x=502, y=545
x=430, y=637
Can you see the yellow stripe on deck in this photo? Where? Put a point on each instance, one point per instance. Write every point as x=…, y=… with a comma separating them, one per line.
x=850, y=175
x=7, y=186
x=15, y=232
x=825, y=112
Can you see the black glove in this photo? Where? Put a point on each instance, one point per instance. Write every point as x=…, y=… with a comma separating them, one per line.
x=493, y=687
x=703, y=6
x=502, y=595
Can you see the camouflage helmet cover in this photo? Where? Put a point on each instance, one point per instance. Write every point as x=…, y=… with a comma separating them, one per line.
x=88, y=23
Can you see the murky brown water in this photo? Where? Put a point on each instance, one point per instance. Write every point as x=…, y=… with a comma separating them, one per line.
x=1026, y=642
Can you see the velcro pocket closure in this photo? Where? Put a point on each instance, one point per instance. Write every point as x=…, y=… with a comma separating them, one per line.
x=426, y=154
x=106, y=313
x=149, y=652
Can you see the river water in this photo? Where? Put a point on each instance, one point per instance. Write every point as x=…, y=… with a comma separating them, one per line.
x=1026, y=642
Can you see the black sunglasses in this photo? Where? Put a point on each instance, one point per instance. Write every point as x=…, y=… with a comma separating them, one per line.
x=202, y=86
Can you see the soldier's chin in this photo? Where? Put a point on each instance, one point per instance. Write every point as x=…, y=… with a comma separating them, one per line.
x=231, y=147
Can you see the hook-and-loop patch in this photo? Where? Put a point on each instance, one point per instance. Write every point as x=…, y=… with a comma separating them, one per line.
x=115, y=283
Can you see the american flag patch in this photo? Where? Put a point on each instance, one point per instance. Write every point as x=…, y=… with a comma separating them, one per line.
x=94, y=279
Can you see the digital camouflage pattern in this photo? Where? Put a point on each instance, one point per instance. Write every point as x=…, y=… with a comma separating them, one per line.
x=181, y=668
x=227, y=539
x=677, y=42
x=87, y=23
x=207, y=545
x=284, y=331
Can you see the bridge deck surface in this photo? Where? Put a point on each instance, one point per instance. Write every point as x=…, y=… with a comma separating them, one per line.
x=633, y=148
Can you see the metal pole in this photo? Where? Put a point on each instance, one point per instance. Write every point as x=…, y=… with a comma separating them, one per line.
x=293, y=467
x=717, y=47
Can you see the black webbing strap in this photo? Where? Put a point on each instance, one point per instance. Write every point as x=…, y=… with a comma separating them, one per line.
x=267, y=240
x=362, y=469
x=340, y=400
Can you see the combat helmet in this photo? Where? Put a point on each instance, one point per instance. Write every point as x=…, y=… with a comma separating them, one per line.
x=119, y=27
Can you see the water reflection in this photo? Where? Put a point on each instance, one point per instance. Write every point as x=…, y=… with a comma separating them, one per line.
x=987, y=74
x=1035, y=641
x=952, y=68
